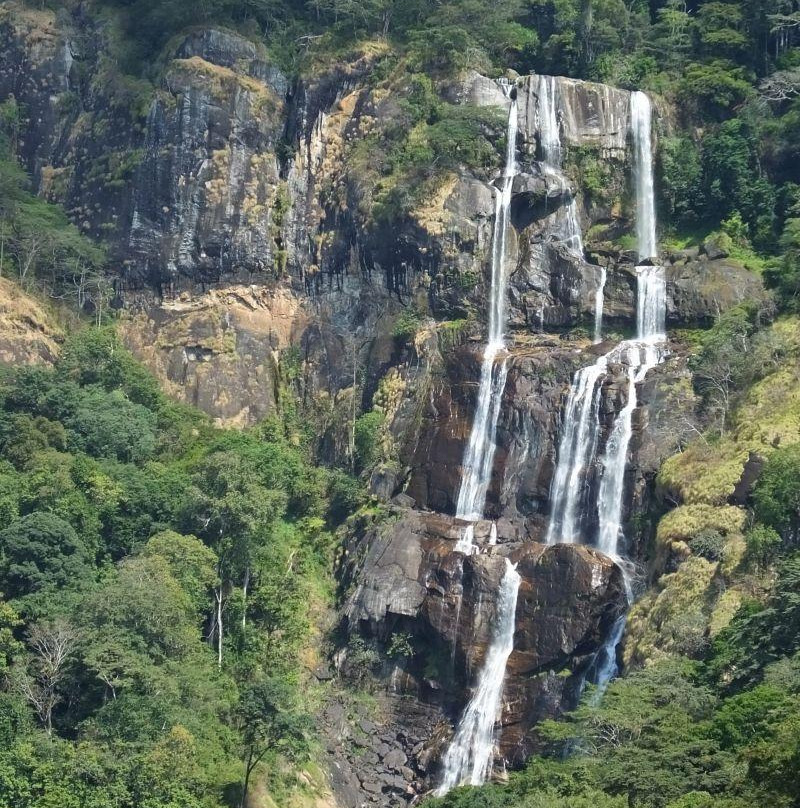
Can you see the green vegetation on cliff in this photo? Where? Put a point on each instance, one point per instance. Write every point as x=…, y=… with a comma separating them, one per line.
x=161, y=581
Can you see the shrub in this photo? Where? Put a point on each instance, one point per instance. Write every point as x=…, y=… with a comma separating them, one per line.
x=406, y=325
x=777, y=492
x=708, y=543
x=763, y=545
x=367, y=433
x=400, y=646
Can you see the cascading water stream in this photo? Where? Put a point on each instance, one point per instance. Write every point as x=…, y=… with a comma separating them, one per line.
x=644, y=353
x=581, y=428
x=479, y=455
x=580, y=432
x=576, y=451
x=471, y=752
x=641, y=114
x=469, y=757
x=552, y=153
x=640, y=355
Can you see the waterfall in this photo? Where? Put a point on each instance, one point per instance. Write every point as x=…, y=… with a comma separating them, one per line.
x=643, y=354
x=479, y=455
x=471, y=752
x=605, y=664
x=469, y=757
x=549, y=136
x=643, y=176
x=552, y=153
x=580, y=431
x=598, y=306
x=576, y=451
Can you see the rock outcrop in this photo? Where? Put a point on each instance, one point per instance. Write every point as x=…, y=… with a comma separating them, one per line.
x=409, y=582
x=28, y=333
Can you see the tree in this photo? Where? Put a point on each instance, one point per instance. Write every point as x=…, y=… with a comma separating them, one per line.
x=734, y=180
x=143, y=609
x=237, y=513
x=777, y=492
x=681, y=178
x=191, y=563
x=760, y=634
x=783, y=274
x=271, y=722
x=717, y=86
x=42, y=552
x=10, y=647
x=748, y=717
x=40, y=681
x=109, y=425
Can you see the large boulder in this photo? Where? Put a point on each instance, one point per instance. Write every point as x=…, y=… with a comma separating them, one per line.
x=701, y=288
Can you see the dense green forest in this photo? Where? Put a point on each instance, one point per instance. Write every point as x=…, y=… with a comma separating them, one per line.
x=166, y=574
x=162, y=579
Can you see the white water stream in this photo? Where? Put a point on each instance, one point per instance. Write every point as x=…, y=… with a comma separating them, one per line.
x=644, y=353
x=581, y=427
x=479, y=455
x=469, y=757
x=471, y=752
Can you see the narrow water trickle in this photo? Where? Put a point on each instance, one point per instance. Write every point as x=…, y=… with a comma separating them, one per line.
x=598, y=306
x=569, y=230
x=469, y=757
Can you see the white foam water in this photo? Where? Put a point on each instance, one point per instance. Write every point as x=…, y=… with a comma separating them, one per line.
x=469, y=758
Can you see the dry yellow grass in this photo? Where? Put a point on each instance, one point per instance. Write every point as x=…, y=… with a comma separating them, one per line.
x=28, y=332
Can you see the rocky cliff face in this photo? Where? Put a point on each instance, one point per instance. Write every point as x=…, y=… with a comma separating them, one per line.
x=434, y=611
x=237, y=207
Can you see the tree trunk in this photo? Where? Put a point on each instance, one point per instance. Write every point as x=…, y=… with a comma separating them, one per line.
x=245, y=584
x=248, y=770
x=218, y=596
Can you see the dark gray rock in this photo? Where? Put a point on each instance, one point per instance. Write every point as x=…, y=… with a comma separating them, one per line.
x=701, y=289
x=716, y=247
